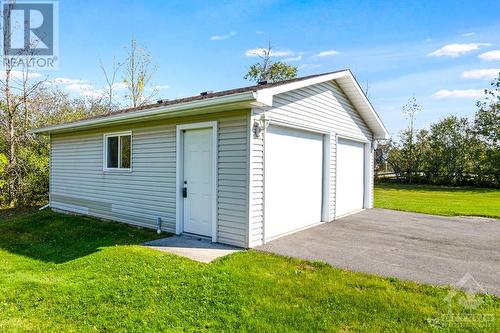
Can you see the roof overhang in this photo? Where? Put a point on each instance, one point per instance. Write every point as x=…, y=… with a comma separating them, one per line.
x=212, y=105
x=242, y=100
x=351, y=88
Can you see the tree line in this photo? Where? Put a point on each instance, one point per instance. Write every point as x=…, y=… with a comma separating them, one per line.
x=453, y=151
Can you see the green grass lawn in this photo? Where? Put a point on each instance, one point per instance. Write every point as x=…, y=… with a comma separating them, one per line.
x=10, y=213
x=67, y=273
x=439, y=200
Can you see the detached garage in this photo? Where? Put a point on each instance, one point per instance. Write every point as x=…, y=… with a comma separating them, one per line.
x=241, y=166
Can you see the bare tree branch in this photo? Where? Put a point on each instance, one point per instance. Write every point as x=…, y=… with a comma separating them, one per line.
x=110, y=80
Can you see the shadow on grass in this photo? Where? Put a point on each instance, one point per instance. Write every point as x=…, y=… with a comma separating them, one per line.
x=10, y=213
x=58, y=238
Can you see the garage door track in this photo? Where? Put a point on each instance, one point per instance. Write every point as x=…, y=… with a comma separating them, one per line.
x=409, y=246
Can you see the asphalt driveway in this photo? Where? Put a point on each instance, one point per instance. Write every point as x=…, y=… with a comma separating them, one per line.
x=409, y=246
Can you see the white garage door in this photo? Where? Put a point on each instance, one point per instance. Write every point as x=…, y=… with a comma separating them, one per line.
x=350, y=176
x=293, y=180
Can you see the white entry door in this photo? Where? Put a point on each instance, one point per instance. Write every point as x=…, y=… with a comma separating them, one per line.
x=293, y=180
x=198, y=180
x=350, y=176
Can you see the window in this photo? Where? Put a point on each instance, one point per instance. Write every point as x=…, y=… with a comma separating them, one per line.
x=118, y=151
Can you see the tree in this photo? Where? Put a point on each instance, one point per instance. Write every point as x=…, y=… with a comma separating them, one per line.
x=269, y=70
x=17, y=85
x=454, y=151
x=487, y=130
x=449, y=141
x=110, y=81
x=410, y=110
x=366, y=90
x=381, y=156
x=487, y=118
x=138, y=75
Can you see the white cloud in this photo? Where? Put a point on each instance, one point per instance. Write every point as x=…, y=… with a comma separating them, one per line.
x=85, y=90
x=309, y=66
x=327, y=53
x=66, y=81
x=222, y=37
x=119, y=86
x=19, y=75
x=297, y=58
x=83, y=87
x=490, y=55
x=79, y=86
x=467, y=93
x=468, y=34
x=260, y=52
x=455, y=50
x=485, y=74
x=31, y=75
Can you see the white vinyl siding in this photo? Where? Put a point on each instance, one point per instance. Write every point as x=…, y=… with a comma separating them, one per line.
x=333, y=175
x=79, y=184
x=322, y=107
x=256, y=204
x=372, y=178
x=232, y=195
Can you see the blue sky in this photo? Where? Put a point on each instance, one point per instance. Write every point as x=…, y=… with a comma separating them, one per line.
x=441, y=52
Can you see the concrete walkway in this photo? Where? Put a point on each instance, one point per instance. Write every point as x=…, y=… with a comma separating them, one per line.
x=424, y=248
x=195, y=248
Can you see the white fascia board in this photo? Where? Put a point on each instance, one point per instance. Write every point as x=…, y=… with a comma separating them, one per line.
x=381, y=132
x=265, y=96
x=249, y=96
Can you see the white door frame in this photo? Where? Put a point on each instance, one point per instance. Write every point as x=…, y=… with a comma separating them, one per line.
x=325, y=174
x=366, y=169
x=179, y=174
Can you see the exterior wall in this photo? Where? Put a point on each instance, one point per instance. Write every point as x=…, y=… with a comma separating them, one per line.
x=372, y=176
x=79, y=184
x=256, y=199
x=333, y=176
x=322, y=107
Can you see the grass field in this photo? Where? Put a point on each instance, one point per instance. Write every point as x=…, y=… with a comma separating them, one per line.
x=68, y=273
x=439, y=200
x=10, y=213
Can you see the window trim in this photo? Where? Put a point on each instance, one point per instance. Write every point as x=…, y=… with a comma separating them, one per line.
x=105, y=151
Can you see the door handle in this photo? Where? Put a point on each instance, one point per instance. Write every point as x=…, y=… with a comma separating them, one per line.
x=184, y=192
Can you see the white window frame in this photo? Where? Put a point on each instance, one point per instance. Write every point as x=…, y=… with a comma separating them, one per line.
x=105, y=151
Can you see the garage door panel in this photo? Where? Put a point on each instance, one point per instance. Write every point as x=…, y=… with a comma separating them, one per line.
x=293, y=180
x=350, y=176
